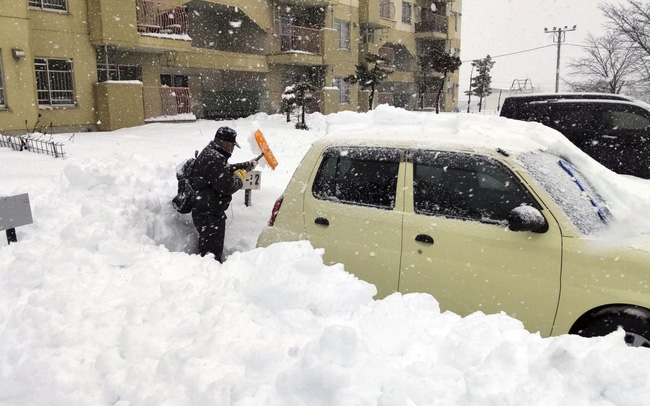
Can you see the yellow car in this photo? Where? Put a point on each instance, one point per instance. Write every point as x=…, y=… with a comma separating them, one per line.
x=480, y=229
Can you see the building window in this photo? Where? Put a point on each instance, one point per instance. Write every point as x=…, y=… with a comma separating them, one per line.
x=344, y=90
x=367, y=35
x=174, y=80
x=54, y=82
x=343, y=29
x=3, y=102
x=60, y=5
x=108, y=69
x=406, y=13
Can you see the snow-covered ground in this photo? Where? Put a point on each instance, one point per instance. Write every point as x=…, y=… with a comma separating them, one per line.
x=104, y=303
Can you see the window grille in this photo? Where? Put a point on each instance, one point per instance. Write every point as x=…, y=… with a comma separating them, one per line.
x=344, y=90
x=343, y=29
x=3, y=102
x=368, y=35
x=54, y=82
x=61, y=5
x=406, y=13
x=108, y=69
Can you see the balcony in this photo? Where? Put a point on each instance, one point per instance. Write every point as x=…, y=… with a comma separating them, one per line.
x=433, y=23
x=166, y=101
x=301, y=39
x=155, y=18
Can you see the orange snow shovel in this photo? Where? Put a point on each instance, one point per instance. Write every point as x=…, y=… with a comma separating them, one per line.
x=266, y=151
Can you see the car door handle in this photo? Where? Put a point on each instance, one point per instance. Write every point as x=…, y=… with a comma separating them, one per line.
x=322, y=221
x=424, y=238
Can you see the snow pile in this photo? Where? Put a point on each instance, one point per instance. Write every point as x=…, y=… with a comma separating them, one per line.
x=103, y=302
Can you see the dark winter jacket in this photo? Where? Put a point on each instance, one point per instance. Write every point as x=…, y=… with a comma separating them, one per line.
x=213, y=180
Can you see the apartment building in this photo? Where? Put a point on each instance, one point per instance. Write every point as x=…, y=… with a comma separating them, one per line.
x=76, y=65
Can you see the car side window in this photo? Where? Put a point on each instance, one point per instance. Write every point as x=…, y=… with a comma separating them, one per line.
x=359, y=176
x=570, y=118
x=616, y=119
x=465, y=186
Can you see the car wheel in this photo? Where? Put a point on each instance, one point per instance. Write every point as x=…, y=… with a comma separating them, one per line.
x=636, y=326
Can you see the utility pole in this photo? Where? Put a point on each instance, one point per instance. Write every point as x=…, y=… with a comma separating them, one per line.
x=469, y=93
x=559, y=36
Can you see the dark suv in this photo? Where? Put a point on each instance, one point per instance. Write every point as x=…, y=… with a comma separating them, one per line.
x=611, y=128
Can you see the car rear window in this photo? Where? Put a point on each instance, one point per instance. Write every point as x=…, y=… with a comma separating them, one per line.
x=359, y=176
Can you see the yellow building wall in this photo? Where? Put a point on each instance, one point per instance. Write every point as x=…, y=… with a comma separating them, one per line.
x=18, y=73
x=118, y=105
x=65, y=36
x=88, y=23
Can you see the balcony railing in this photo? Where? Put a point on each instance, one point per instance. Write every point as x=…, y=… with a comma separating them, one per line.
x=433, y=22
x=166, y=101
x=303, y=39
x=155, y=17
x=387, y=10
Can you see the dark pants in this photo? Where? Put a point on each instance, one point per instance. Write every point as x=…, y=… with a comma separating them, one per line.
x=212, y=231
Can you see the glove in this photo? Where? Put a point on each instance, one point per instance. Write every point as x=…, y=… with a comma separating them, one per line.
x=241, y=174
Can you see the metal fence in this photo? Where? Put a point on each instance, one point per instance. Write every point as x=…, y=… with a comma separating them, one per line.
x=166, y=101
x=27, y=143
x=161, y=18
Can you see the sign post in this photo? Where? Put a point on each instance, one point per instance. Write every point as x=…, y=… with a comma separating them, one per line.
x=253, y=182
x=15, y=211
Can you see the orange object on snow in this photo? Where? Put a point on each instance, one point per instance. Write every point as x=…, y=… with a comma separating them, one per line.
x=264, y=147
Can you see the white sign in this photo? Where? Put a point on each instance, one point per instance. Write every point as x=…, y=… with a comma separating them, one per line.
x=15, y=211
x=253, y=180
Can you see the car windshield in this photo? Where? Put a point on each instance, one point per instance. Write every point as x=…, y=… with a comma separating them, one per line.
x=570, y=190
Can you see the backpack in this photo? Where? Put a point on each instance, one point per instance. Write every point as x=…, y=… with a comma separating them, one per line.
x=184, y=198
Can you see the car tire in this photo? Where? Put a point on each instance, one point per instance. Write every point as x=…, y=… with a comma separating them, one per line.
x=634, y=320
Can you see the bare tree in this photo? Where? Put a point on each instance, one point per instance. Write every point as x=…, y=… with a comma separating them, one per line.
x=610, y=65
x=632, y=20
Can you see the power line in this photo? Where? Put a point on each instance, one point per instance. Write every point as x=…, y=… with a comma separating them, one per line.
x=514, y=53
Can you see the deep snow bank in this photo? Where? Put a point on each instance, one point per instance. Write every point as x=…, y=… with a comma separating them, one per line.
x=102, y=305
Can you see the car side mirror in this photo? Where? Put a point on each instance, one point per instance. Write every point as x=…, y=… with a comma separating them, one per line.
x=527, y=218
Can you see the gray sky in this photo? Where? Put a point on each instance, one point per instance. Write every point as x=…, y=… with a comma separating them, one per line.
x=499, y=27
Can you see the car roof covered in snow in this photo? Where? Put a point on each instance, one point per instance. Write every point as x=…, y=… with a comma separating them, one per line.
x=447, y=131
